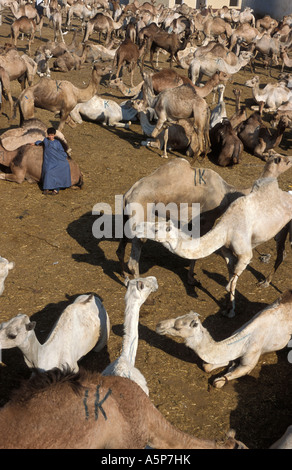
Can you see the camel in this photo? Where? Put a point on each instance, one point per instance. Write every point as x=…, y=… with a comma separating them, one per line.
x=194, y=185
x=269, y=330
x=55, y=16
x=225, y=143
x=280, y=243
x=5, y=267
x=128, y=53
x=212, y=27
x=286, y=61
x=58, y=95
x=257, y=138
x=272, y=95
x=31, y=131
x=25, y=163
x=285, y=441
x=179, y=136
x=83, y=326
x=106, y=111
x=69, y=61
x=130, y=92
x=243, y=33
x=15, y=67
x=26, y=26
x=209, y=65
x=81, y=11
x=138, y=291
x=102, y=23
x=182, y=103
x=248, y=222
x=219, y=112
x=61, y=410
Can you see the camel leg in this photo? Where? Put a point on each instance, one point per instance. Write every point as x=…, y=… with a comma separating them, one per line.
x=133, y=263
x=18, y=176
x=247, y=364
x=280, y=240
x=242, y=262
x=209, y=367
x=165, y=140
x=121, y=254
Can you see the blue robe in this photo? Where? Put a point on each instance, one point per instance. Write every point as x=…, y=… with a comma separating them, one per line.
x=56, y=169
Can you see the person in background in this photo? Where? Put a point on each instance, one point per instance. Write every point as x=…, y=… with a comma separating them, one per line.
x=56, y=172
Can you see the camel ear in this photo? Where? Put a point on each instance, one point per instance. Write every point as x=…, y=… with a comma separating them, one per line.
x=126, y=281
x=30, y=326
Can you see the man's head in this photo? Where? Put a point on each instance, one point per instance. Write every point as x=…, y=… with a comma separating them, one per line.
x=51, y=133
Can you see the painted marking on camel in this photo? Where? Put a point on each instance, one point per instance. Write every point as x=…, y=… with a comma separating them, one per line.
x=200, y=176
x=97, y=403
x=240, y=339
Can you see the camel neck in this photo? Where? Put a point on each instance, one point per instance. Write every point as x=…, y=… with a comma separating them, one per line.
x=31, y=350
x=131, y=336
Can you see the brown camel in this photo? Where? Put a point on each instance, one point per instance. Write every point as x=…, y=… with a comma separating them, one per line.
x=57, y=410
x=103, y=24
x=257, y=138
x=58, y=95
x=26, y=26
x=25, y=163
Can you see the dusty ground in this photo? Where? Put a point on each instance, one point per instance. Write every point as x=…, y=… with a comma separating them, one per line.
x=57, y=258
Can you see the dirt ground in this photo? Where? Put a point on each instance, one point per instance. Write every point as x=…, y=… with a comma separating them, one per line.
x=57, y=258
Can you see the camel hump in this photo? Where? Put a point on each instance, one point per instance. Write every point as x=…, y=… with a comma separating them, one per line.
x=15, y=138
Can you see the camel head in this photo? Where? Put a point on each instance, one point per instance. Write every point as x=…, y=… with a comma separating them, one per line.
x=253, y=82
x=15, y=331
x=277, y=164
x=184, y=327
x=5, y=267
x=160, y=231
x=139, y=289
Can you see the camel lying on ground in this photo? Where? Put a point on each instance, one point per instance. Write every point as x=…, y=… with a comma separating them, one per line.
x=58, y=95
x=138, y=291
x=25, y=163
x=269, y=330
x=257, y=138
x=248, y=222
x=57, y=410
x=83, y=325
x=176, y=182
x=5, y=267
x=272, y=95
x=106, y=111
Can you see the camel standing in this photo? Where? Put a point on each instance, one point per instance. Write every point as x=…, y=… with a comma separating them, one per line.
x=178, y=181
x=138, y=291
x=58, y=95
x=248, y=222
x=57, y=410
x=269, y=330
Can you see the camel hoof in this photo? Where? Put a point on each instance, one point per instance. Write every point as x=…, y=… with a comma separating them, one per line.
x=229, y=313
x=220, y=382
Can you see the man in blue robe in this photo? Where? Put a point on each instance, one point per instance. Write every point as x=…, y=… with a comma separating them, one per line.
x=56, y=172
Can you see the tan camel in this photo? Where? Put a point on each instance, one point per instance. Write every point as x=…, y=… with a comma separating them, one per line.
x=248, y=222
x=176, y=182
x=25, y=162
x=269, y=330
x=286, y=61
x=28, y=10
x=182, y=103
x=58, y=95
x=26, y=26
x=15, y=67
x=57, y=410
x=103, y=23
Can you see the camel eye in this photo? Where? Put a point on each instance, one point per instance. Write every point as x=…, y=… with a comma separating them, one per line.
x=168, y=229
x=11, y=336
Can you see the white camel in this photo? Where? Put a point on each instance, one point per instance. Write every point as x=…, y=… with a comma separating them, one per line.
x=5, y=267
x=84, y=325
x=219, y=112
x=273, y=94
x=138, y=290
x=269, y=330
x=249, y=221
x=285, y=442
x=106, y=111
x=209, y=65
